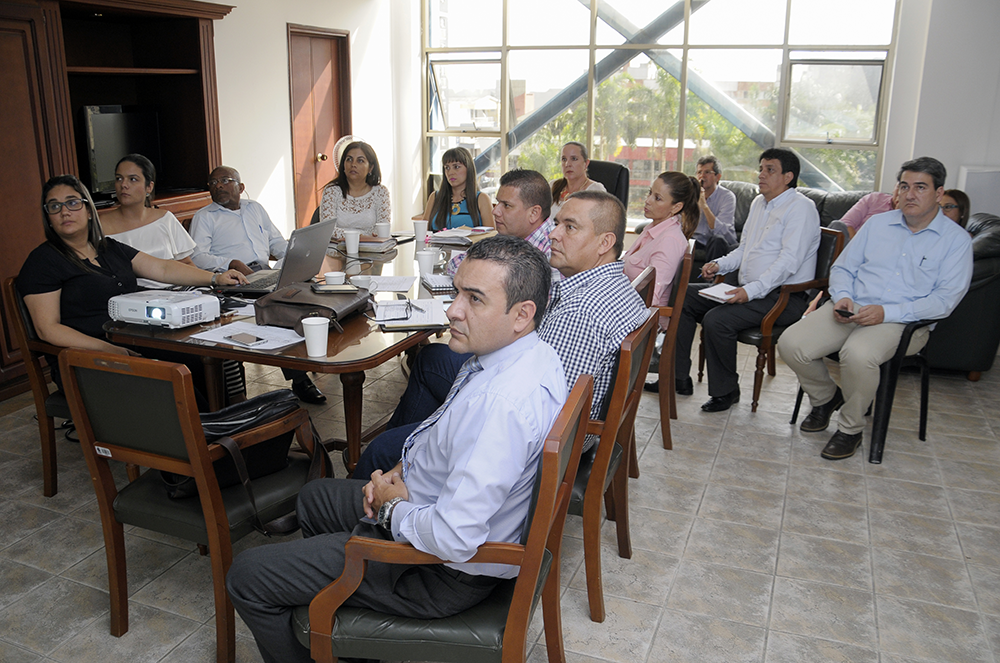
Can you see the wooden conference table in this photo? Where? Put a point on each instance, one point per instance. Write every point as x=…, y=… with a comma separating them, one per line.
x=361, y=347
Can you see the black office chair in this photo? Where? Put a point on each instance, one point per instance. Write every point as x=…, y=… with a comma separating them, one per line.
x=613, y=176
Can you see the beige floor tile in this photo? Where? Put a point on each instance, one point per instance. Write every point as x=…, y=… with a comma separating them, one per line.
x=732, y=544
x=200, y=646
x=752, y=444
x=981, y=545
x=693, y=436
x=678, y=462
x=789, y=648
x=922, y=577
x=930, y=631
x=750, y=473
x=685, y=637
x=992, y=625
x=833, y=520
x=185, y=589
x=21, y=520
x=17, y=581
x=970, y=476
x=742, y=505
x=646, y=577
x=970, y=449
x=826, y=484
x=973, y=506
x=58, y=546
x=897, y=464
x=919, y=498
x=824, y=611
x=145, y=560
x=651, y=529
x=12, y=654
x=51, y=614
x=825, y=560
x=805, y=453
x=986, y=583
x=722, y=591
x=667, y=493
x=151, y=634
x=624, y=636
x=920, y=534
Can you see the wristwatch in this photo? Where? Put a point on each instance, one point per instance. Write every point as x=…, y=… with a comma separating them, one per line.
x=385, y=513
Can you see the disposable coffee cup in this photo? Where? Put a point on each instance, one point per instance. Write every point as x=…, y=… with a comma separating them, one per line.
x=317, y=332
x=383, y=230
x=420, y=230
x=351, y=239
x=363, y=282
x=426, y=259
x=334, y=278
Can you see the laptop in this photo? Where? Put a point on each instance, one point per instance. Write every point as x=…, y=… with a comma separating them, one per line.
x=303, y=260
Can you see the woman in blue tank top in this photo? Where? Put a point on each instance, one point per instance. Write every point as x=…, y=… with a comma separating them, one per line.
x=449, y=207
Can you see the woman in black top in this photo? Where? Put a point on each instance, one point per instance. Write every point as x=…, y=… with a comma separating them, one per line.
x=67, y=281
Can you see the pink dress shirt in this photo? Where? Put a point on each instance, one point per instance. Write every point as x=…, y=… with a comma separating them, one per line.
x=662, y=246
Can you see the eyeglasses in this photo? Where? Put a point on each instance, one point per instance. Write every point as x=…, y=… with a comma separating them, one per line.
x=391, y=311
x=224, y=181
x=949, y=206
x=53, y=206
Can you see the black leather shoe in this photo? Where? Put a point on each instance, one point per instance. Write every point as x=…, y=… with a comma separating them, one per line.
x=722, y=403
x=684, y=387
x=652, y=387
x=819, y=418
x=308, y=392
x=841, y=446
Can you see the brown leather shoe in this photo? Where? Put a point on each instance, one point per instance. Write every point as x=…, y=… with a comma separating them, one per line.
x=841, y=446
x=819, y=418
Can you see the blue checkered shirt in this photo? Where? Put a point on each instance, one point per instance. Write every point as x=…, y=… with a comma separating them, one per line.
x=539, y=239
x=587, y=317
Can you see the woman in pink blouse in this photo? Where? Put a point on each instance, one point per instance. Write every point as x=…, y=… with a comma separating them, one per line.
x=672, y=204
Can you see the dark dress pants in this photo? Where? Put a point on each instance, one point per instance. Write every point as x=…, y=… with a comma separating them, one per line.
x=722, y=324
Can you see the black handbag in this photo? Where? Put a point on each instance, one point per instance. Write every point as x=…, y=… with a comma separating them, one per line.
x=263, y=458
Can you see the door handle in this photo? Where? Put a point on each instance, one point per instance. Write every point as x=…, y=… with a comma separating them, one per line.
x=321, y=157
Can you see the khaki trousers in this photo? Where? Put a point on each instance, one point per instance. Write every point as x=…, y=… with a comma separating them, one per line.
x=862, y=351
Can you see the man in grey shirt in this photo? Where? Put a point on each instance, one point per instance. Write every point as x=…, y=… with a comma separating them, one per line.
x=716, y=231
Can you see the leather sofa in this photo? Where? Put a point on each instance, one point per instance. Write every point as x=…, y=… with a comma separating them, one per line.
x=967, y=340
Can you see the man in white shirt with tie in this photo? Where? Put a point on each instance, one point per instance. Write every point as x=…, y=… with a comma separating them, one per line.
x=778, y=246
x=465, y=477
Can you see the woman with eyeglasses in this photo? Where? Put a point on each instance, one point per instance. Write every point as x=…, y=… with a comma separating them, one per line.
x=956, y=206
x=67, y=281
x=140, y=225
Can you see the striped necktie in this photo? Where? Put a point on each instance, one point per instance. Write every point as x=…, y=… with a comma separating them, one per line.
x=469, y=368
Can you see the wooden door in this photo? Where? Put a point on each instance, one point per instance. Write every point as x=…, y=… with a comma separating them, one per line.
x=320, y=87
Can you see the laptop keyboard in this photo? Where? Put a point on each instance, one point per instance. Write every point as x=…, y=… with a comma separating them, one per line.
x=265, y=282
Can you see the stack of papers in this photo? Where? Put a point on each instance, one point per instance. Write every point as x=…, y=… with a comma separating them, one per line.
x=274, y=338
x=437, y=284
x=718, y=292
x=461, y=238
x=371, y=245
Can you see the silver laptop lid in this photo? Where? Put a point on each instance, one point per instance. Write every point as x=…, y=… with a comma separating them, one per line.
x=306, y=250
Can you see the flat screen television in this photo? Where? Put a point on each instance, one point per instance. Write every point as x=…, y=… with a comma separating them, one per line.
x=111, y=132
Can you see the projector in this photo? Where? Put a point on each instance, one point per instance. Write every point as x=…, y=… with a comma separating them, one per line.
x=164, y=308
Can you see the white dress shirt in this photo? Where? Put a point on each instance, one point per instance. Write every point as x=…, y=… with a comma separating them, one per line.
x=778, y=245
x=245, y=234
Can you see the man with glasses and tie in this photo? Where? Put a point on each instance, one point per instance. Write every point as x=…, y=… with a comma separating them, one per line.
x=465, y=476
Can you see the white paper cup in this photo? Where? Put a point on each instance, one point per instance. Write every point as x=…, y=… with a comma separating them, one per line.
x=363, y=282
x=426, y=259
x=383, y=230
x=420, y=230
x=334, y=278
x=351, y=239
x=317, y=332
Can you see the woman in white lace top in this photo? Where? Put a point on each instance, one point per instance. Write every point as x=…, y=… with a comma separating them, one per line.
x=356, y=199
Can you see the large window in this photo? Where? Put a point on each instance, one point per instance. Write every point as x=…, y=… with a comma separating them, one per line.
x=656, y=86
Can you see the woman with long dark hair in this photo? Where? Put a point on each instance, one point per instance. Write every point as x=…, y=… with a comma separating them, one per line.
x=450, y=207
x=356, y=199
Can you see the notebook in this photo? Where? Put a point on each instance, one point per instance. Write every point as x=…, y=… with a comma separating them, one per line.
x=303, y=260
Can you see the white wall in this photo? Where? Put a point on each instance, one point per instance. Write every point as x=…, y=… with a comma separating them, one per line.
x=251, y=49
x=946, y=87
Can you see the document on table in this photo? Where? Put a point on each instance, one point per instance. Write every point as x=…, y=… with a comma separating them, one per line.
x=393, y=283
x=275, y=337
x=405, y=314
x=718, y=292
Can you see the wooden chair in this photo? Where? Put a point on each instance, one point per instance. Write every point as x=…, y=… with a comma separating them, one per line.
x=494, y=630
x=644, y=285
x=766, y=336
x=668, y=389
x=160, y=428
x=604, y=468
x=889, y=376
x=48, y=407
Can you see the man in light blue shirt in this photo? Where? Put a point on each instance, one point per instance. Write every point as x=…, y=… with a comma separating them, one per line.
x=910, y=264
x=716, y=230
x=778, y=246
x=466, y=474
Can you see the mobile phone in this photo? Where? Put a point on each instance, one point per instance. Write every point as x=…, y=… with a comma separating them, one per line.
x=248, y=340
x=334, y=288
x=842, y=313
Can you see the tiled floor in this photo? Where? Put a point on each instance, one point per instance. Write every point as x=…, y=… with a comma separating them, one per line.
x=747, y=545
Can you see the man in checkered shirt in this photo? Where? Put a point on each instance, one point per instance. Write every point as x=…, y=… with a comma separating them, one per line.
x=590, y=311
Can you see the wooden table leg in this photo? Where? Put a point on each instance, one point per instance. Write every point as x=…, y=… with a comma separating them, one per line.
x=353, y=383
x=215, y=383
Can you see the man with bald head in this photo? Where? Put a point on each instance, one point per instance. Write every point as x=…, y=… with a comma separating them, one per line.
x=232, y=233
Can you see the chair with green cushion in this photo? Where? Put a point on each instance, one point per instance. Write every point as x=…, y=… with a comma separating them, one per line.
x=496, y=629
x=604, y=468
x=160, y=428
x=48, y=407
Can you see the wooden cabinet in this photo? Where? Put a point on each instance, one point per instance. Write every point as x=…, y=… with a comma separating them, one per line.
x=61, y=56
